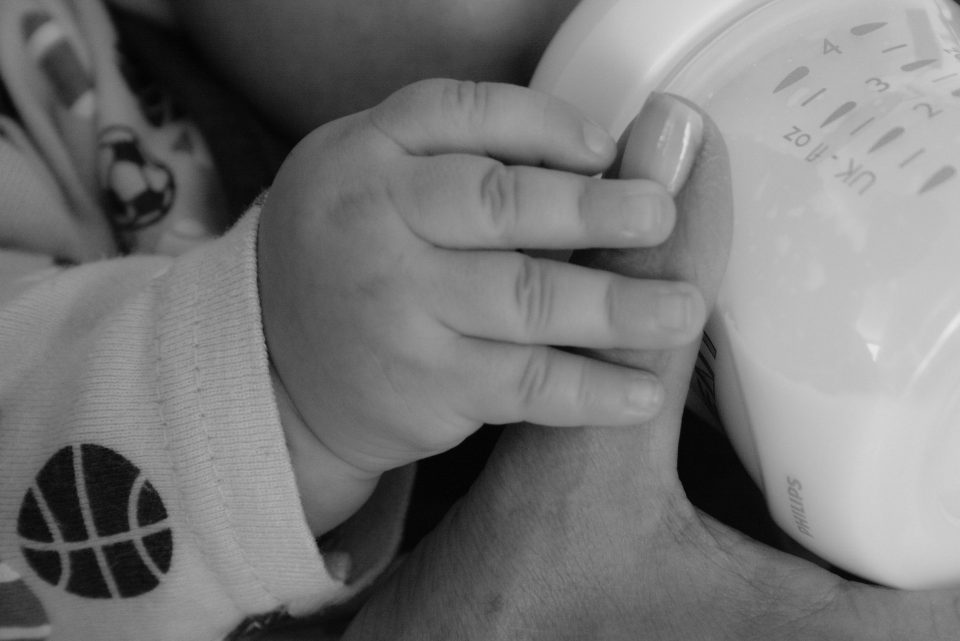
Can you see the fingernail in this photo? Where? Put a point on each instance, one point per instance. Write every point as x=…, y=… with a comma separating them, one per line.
x=664, y=142
x=674, y=310
x=597, y=139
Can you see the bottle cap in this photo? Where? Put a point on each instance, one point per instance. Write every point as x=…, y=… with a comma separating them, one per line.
x=610, y=54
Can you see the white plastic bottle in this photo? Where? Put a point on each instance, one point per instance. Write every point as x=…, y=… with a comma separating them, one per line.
x=835, y=344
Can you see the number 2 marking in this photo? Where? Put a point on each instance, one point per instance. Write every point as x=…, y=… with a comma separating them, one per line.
x=931, y=111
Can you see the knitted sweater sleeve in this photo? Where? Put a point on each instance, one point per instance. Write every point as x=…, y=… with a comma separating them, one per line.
x=145, y=486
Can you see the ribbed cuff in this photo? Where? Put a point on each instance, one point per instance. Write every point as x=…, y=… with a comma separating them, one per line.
x=224, y=427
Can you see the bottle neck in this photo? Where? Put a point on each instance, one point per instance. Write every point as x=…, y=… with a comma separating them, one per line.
x=613, y=53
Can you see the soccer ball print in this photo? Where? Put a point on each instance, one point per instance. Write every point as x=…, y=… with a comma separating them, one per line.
x=93, y=525
x=139, y=189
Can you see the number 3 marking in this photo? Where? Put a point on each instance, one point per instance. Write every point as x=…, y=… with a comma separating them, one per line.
x=879, y=84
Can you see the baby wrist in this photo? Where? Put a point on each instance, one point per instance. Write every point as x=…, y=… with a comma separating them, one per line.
x=331, y=489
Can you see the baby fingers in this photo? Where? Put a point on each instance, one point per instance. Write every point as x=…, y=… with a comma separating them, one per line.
x=518, y=299
x=510, y=123
x=512, y=383
x=469, y=202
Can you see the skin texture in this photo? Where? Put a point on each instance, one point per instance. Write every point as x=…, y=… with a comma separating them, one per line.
x=573, y=534
x=398, y=314
x=587, y=534
x=286, y=56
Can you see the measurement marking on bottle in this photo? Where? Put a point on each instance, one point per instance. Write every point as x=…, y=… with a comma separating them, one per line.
x=862, y=127
x=944, y=175
x=813, y=97
x=947, y=77
x=868, y=28
x=793, y=78
x=895, y=48
x=887, y=138
x=912, y=158
x=918, y=64
x=840, y=112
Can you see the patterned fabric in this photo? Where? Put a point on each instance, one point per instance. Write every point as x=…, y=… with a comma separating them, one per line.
x=146, y=489
x=132, y=174
x=22, y=616
x=100, y=534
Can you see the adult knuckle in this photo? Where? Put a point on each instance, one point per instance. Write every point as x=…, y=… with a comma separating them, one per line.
x=498, y=200
x=533, y=296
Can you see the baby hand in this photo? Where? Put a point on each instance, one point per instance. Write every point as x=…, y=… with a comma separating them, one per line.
x=398, y=315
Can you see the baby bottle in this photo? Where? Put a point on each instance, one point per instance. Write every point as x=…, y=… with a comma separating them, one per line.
x=835, y=343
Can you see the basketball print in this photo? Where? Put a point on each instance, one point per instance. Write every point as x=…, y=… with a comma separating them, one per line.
x=93, y=525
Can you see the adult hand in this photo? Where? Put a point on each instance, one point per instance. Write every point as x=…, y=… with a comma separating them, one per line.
x=588, y=534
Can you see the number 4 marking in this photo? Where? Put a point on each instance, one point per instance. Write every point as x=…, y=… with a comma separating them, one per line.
x=829, y=47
